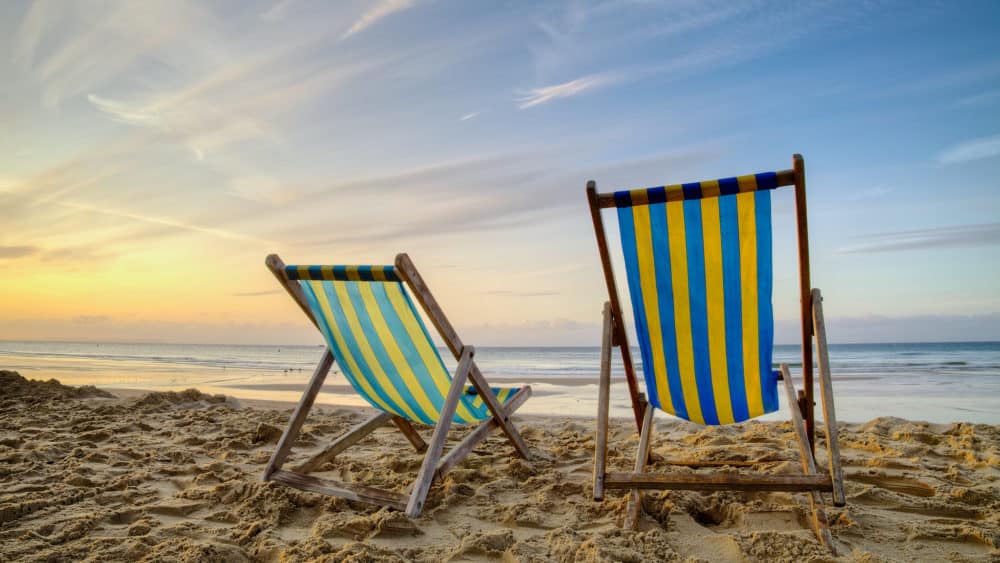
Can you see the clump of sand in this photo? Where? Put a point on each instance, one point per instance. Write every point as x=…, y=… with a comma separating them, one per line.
x=15, y=386
x=175, y=477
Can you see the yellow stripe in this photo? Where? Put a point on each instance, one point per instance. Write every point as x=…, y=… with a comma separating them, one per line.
x=382, y=380
x=303, y=272
x=715, y=300
x=352, y=364
x=327, y=272
x=674, y=192
x=651, y=303
x=378, y=274
x=710, y=188
x=682, y=308
x=747, y=183
x=352, y=273
x=395, y=354
x=429, y=356
x=748, y=289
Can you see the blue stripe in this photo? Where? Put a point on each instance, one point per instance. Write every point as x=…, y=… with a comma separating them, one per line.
x=340, y=272
x=480, y=412
x=338, y=354
x=729, y=186
x=315, y=272
x=349, y=338
x=365, y=273
x=768, y=383
x=381, y=355
x=665, y=294
x=626, y=226
x=406, y=345
x=729, y=224
x=695, y=243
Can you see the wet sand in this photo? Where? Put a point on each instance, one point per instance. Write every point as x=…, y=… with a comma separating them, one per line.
x=175, y=476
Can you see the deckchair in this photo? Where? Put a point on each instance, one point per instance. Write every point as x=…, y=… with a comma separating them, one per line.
x=374, y=333
x=698, y=263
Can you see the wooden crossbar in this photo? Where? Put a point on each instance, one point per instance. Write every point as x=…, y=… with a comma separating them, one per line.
x=716, y=482
x=349, y=491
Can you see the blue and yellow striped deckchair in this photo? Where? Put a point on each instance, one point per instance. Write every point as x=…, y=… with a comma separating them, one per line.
x=375, y=334
x=698, y=264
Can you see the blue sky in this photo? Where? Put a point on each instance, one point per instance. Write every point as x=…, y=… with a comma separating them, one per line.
x=154, y=152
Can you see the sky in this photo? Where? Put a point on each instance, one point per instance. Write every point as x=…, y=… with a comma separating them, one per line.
x=153, y=153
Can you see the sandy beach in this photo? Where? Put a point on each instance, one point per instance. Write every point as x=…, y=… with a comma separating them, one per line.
x=90, y=475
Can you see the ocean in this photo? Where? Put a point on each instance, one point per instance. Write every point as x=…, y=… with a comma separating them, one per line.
x=935, y=382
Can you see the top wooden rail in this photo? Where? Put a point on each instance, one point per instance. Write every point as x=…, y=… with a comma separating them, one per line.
x=785, y=178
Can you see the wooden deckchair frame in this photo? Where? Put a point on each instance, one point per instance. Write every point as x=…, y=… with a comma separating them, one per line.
x=614, y=335
x=435, y=465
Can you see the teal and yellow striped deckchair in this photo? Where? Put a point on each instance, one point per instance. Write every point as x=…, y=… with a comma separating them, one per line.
x=698, y=264
x=374, y=333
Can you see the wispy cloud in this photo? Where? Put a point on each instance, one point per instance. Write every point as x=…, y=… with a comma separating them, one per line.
x=975, y=149
x=538, y=96
x=469, y=116
x=17, y=251
x=165, y=221
x=383, y=9
x=962, y=235
x=258, y=293
x=516, y=293
x=987, y=97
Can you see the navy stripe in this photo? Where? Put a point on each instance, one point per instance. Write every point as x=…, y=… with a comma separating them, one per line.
x=657, y=195
x=695, y=242
x=729, y=186
x=365, y=273
x=692, y=190
x=767, y=181
x=765, y=315
x=665, y=295
x=733, y=303
x=623, y=199
x=340, y=272
x=292, y=272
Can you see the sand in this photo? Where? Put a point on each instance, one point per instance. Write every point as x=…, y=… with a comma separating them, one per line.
x=175, y=477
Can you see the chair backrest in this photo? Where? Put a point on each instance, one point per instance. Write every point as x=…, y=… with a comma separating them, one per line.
x=380, y=342
x=698, y=262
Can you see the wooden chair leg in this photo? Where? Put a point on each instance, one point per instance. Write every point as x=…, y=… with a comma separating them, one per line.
x=410, y=432
x=826, y=394
x=635, y=496
x=603, y=404
x=291, y=432
x=821, y=525
x=426, y=475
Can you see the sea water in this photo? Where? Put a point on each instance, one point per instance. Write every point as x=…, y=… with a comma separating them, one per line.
x=936, y=382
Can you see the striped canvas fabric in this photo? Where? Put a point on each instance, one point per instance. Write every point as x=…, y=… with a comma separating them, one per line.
x=381, y=344
x=698, y=261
